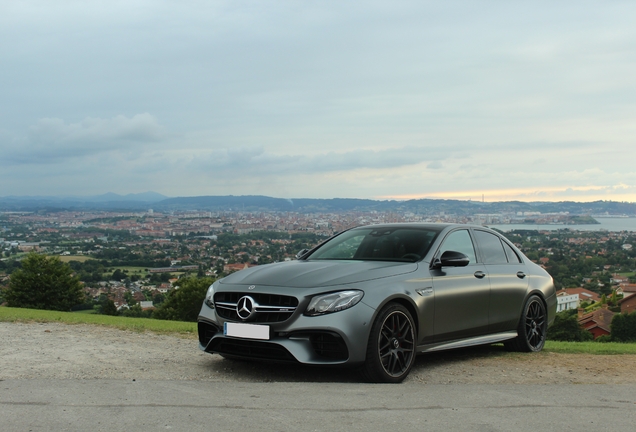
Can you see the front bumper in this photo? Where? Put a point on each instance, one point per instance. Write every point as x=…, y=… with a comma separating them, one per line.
x=333, y=339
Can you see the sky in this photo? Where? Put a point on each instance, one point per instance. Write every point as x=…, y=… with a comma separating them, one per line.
x=488, y=100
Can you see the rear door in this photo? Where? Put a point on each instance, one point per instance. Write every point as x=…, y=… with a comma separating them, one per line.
x=508, y=281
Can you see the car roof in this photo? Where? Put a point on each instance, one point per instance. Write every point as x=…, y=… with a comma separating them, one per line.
x=437, y=226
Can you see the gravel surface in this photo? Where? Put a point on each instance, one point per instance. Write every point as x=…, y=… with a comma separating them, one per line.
x=61, y=351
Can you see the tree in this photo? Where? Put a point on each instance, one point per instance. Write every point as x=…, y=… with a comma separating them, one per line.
x=130, y=299
x=118, y=275
x=44, y=283
x=158, y=298
x=184, y=302
x=107, y=306
x=624, y=327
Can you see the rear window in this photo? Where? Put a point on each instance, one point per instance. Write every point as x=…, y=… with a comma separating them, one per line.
x=491, y=248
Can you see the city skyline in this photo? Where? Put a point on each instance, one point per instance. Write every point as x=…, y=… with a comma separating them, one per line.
x=489, y=101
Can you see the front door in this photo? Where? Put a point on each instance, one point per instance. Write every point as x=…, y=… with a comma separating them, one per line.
x=462, y=294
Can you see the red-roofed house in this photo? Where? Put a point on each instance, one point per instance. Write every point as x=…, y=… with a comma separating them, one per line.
x=229, y=268
x=597, y=322
x=628, y=304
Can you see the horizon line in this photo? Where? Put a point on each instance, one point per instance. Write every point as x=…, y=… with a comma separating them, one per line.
x=401, y=198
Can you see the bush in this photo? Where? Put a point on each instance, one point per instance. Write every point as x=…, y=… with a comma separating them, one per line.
x=136, y=311
x=184, y=302
x=566, y=328
x=603, y=339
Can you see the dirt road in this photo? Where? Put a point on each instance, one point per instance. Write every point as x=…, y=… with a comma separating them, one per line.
x=60, y=351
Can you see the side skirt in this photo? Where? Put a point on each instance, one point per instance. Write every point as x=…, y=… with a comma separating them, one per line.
x=461, y=343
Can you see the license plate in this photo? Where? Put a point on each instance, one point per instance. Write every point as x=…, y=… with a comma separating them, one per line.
x=246, y=331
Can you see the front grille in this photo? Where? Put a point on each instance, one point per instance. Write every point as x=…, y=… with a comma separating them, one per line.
x=250, y=349
x=269, y=307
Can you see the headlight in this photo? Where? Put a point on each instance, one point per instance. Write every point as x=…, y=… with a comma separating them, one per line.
x=209, y=297
x=333, y=302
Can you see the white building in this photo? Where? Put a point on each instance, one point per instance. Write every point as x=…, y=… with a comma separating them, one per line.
x=565, y=302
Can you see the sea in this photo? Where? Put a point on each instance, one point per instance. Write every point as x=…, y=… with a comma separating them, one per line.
x=605, y=224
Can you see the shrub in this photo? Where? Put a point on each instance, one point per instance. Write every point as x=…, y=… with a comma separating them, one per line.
x=184, y=302
x=566, y=328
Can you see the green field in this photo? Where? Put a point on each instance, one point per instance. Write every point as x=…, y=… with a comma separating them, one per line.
x=188, y=329
x=131, y=270
x=128, y=270
x=69, y=258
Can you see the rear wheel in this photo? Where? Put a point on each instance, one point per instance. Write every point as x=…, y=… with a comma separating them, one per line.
x=391, y=347
x=532, y=328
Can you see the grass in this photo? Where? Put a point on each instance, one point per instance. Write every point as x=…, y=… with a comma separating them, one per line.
x=8, y=314
x=86, y=311
x=590, y=347
x=132, y=269
x=69, y=258
x=128, y=271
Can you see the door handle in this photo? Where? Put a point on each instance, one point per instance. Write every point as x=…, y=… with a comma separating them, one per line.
x=480, y=274
x=521, y=274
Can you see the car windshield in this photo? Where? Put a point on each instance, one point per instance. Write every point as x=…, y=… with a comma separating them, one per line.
x=378, y=244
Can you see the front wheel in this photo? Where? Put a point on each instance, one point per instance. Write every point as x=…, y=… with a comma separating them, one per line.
x=391, y=347
x=532, y=328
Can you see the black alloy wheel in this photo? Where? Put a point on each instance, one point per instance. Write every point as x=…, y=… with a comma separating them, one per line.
x=532, y=327
x=391, y=348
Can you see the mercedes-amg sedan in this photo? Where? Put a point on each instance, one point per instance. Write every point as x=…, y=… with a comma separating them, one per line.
x=375, y=296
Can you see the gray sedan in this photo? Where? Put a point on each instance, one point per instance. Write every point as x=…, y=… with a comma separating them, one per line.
x=375, y=296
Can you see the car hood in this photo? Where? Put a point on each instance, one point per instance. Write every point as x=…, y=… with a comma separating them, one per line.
x=309, y=274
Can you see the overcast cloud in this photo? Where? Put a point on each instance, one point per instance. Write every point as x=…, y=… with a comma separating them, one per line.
x=294, y=99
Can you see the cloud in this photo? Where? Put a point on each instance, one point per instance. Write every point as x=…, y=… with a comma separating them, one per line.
x=547, y=193
x=313, y=98
x=256, y=160
x=51, y=139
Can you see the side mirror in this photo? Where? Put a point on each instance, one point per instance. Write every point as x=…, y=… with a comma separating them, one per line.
x=302, y=253
x=453, y=259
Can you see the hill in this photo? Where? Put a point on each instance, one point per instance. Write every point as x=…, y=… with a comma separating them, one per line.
x=255, y=203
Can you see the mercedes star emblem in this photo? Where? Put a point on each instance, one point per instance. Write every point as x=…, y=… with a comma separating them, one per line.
x=245, y=307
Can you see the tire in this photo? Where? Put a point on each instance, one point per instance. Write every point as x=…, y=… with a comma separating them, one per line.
x=532, y=329
x=391, y=348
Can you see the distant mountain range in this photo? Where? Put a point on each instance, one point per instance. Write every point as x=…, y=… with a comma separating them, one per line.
x=108, y=201
x=252, y=203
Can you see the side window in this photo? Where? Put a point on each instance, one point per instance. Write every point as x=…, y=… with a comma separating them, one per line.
x=459, y=241
x=491, y=248
x=512, y=255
